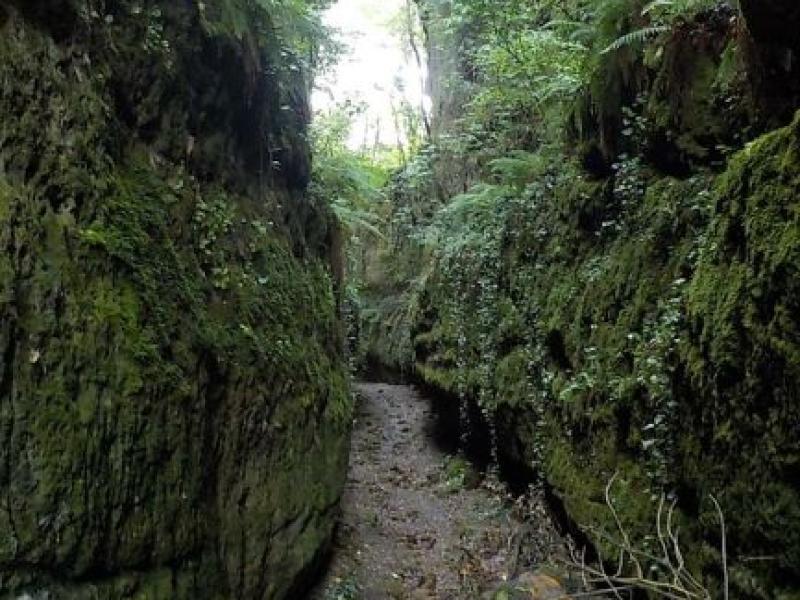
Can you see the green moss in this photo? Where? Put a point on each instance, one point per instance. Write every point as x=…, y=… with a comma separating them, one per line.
x=654, y=340
x=744, y=348
x=511, y=376
x=172, y=372
x=582, y=485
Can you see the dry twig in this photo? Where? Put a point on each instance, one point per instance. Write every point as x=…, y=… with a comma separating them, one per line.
x=677, y=583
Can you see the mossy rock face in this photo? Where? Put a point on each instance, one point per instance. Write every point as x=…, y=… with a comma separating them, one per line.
x=695, y=94
x=642, y=327
x=640, y=322
x=744, y=357
x=174, y=410
x=771, y=28
x=700, y=103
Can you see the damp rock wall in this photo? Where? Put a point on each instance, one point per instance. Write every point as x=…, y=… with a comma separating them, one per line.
x=630, y=313
x=174, y=409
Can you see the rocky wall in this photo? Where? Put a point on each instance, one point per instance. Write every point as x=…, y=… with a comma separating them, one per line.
x=174, y=410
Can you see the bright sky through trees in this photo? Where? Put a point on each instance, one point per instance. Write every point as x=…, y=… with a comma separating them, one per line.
x=376, y=70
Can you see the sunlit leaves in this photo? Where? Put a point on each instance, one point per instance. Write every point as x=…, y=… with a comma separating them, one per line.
x=528, y=70
x=524, y=59
x=350, y=183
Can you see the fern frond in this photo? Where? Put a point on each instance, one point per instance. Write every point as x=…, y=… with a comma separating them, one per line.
x=479, y=198
x=517, y=169
x=357, y=220
x=636, y=37
x=650, y=7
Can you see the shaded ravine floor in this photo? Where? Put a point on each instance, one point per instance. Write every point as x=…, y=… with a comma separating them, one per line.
x=421, y=524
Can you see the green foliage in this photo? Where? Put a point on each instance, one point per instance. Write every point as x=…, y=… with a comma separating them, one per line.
x=292, y=28
x=349, y=182
x=661, y=14
x=458, y=473
x=352, y=184
x=523, y=76
x=637, y=37
x=620, y=307
x=469, y=212
x=307, y=43
x=526, y=64
x=664, y=11
x=518, y=168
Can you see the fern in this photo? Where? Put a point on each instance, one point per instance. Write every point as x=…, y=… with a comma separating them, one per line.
x=657, y=4
x=662, y=14
x=637, y=37
x=576, y=32
x=467, y=214
x=672, y=8
x=355, y=220
x=518, y=169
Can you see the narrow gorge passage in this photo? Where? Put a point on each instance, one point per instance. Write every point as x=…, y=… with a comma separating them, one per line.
x=419, y=522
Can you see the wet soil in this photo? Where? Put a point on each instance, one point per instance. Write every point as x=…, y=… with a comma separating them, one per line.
x=420, y=522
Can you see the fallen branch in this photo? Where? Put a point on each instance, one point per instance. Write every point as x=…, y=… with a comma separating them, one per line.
x=676, y=583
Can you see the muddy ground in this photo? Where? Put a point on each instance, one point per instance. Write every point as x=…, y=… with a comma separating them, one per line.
x=420, y=522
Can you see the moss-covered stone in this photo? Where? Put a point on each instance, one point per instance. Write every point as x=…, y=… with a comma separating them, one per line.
x=655, y=342
x=635, y=314
x=174, y=411
x=699, y=104
x=744, y=353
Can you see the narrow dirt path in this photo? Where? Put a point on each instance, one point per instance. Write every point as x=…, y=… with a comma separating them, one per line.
x=419, y=523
